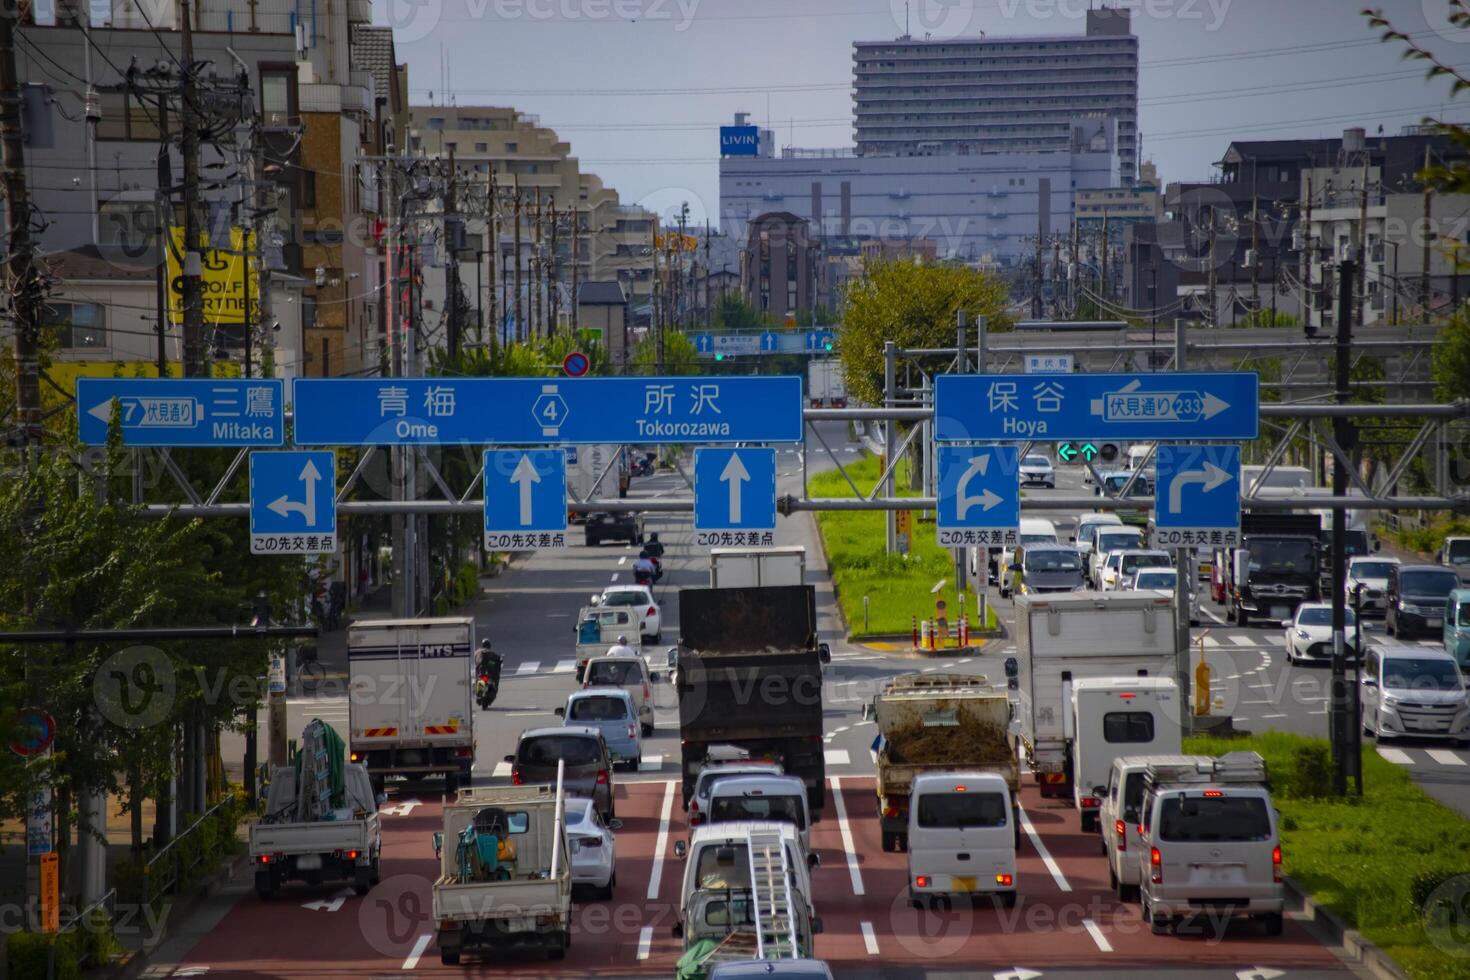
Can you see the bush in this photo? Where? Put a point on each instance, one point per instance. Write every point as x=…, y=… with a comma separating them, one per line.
x=1311, y=773
x=1428, y=540
x=98, y=944
x=1425, y=882
x=26, y=954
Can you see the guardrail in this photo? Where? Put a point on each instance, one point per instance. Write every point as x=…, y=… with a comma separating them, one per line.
x=163, y=871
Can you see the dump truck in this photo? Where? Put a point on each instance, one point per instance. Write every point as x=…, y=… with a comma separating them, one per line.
x=505, y=875
x=936, y=723
x=749, y=676
x=321, y=819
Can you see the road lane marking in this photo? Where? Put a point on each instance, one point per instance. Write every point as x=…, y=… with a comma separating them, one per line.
x=1244, y=641
x=651, y=763
x=645, y=941
x=846, y=830
x=565, y=666
x=529, y=667
x=1097, y=936
x=614, y=577
x=1272, y=716
x=1276, y=641
x=621, y=560
x=1046, y=858
x=1397, y=756
x=870, y=939
x=1210, y=641
x=1445, y=757
x=837, y=757
x=661, y=843
x=502, y=770
x=419, y=945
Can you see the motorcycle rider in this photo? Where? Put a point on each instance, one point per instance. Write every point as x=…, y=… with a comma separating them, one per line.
x=644, y=570
x=654, y=546
x=621, y=649
x=488, y=664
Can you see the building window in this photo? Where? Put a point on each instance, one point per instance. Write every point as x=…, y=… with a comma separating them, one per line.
x=125, y=117
x=308, y=312
x=308, y=188
x=436, y=122
x=278, y=95
x=482, y=147
x=512, y=148
x=77, y=324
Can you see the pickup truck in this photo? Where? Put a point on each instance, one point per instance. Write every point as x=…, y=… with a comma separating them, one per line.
x=936, y=723
x=505, y=876
x=287, y=844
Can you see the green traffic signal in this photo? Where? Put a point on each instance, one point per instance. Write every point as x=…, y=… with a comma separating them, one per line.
x=719, y=357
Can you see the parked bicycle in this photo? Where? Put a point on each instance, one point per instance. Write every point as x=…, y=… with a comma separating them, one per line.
x=309, y=671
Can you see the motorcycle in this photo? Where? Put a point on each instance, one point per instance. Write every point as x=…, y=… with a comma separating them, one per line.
x=487, y=686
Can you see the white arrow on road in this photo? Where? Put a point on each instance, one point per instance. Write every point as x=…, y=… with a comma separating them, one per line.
x=1259, y=973
x=986, y=500
x=329, y=904
x=525, y=475
x=1019, y=973
x=734, y=474
x=1210, y=477
x=400, y=809
x=284, y=505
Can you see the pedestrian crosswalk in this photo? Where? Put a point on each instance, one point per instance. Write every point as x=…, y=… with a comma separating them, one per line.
x=530, y=668
x=1427, y=758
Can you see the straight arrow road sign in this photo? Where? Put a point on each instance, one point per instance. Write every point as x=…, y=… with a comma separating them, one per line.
x=736, y=475
x=525, y=499
x=293, y=502
x=734, y=496
x=526, y=477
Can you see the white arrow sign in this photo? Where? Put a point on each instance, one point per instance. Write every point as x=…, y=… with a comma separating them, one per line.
x=986, y=500
x=1259, y=973
x=400, y=809
x=332, y=904
x=1213, y=406
x=734, y=474
x=283, y=505
x=525, y=475
x=1209, y=478
x=1019, y=973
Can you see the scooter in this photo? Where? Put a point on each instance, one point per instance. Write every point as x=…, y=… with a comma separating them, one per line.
x=486, y=687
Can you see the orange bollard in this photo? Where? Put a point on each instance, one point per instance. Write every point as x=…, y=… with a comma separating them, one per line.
x=915, y=620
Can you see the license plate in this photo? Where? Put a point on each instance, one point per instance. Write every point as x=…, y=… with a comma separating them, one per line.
x=965, y=884
x=309, y=862
x=1280, y=612
x=1433, y=624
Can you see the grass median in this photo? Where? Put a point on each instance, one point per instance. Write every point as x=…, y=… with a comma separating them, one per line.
x=898, y=587
x=1375, y=860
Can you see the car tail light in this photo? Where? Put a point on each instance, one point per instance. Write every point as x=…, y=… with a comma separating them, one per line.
x=515, y=776
x=1121, y=830
x=602, y=777
x=1156, y=862
x=484, y=678
x=1003, y=880
x=1139, y=828
x=696, y=819
x=354, y=757
x=1090, y=802
x=1127, y=697
x=647, y=692
x=651, y=611
x=922, y=881
x=545, y=920
x=1213, y=793
x=264, y=859
x=891, y=811
x=352, y=855
x=1276, y=863
x=466, y=752
x=632, y=731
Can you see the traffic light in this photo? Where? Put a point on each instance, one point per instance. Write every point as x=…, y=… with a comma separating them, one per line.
x=828, y=345
x=719, y=357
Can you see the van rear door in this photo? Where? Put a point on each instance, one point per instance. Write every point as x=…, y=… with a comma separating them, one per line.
x=1216, y=844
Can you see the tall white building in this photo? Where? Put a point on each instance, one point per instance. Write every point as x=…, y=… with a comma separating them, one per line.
x=977, y=95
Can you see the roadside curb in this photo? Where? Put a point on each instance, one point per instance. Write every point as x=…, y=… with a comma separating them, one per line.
x=836, y=595
x=1359, y=950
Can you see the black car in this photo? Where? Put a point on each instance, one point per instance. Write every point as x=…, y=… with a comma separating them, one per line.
x=602, y=526
x=1416, y=598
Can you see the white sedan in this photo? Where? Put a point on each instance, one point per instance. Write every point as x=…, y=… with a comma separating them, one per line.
x=1037, y=469
x=1309, y=633
x=593, y=846
x=639, y=597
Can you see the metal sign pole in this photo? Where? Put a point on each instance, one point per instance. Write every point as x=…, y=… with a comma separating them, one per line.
x=1185, y=569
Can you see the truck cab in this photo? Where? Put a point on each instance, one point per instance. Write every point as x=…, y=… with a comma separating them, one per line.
x=1276, y=568
x=1113, y=716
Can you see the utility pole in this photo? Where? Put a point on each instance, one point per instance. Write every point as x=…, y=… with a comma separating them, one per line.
x=196, y=344
x=553, y=275
x=1306, y=259
x=160, y=270
x=1103, y=292
x=1427, y=236
x=576, y=299
x=22, y=283
x=1214, y=278
x=535, y=264
x=1256, y=257
x=493, y=234
x=1184, y=562
x=1362, y=243
x=519, y=301
x=1345, y=763
x=453, y=325
x=708, y=304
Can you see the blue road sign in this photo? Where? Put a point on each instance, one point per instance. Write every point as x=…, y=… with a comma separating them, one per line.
x=1197, y=496
x=293, y=503
x=734, y=494
x=704, y=343
x=770, y=343
x=979, y=495
x=531, y=411
x=525, y=499
x=184, y=411
x=971, y=407
x=818, y=340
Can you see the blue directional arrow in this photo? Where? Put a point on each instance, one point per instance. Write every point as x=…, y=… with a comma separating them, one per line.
x=769, y=342
x=734, y=489
x=704, y=343
x=525, y=490
x=293, y=502
x=1197, y=496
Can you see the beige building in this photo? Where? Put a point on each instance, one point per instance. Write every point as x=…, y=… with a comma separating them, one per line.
x=614, y=241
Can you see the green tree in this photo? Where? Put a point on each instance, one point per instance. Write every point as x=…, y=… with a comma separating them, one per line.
x=732, y=312
x=680, y=355
x=913, y=306
x=1452, y=359
x=1452, y=177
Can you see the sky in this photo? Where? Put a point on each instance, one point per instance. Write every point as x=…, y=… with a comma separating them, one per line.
x=638, y=88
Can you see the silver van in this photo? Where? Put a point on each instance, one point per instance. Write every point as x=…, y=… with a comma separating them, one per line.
x=1413, y=692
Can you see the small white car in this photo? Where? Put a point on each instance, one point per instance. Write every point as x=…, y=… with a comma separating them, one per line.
x=1036, y=470
x=639, y=597
x=1371, y=572
x=1118, y=570
x=1108, y=539
x=1165, y=579
x=593, y=846
x=1309, y=633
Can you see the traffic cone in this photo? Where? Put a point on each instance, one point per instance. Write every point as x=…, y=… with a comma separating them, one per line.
x=915, y=621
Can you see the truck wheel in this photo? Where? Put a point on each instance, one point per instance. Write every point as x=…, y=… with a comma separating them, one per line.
x=451, y=784
x=1089, y=822
x=1272, y=921
x=558, y=949
x=890, y=840
x=1007, y=900
x=376, y=875
x=648, y=731
x=362, y=882
x=449, y=957
x=1113, y=883
x=265, y=885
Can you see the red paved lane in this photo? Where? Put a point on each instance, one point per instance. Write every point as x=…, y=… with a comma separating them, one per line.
x=382, y=932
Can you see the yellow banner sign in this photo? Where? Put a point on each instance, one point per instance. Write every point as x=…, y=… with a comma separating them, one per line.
x=223, y=279
x=50, y=892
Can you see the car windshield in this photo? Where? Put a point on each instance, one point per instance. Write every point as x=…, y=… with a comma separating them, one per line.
x=1356, y=542
x=1458, y=552
x=783, y=808
x=1462, y=617
x=1141, y=486
x=548, y=750
x=1040, y=461
x=723, y=866
x=627, y=597
x=1320, y=616
x=1155, y=580
x=1429, y=583
x=951, y=810
x=598, y=709
x=1414, y=674
x=1053, y=561
x=613, y=673
x=1217, y=818
x=576, y=816
x=1282, y=557
x=1132, y=563
x=1113, y=540
x=1038, y=539
x=1370, y=569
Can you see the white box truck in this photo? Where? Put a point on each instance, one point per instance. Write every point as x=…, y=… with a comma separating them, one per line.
x=411, y=697
x=1062, y=638
x=753, y=568
x=1113, y=717
x=596, y=472
x=826, y=385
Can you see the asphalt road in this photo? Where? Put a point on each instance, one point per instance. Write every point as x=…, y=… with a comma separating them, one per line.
x=1067, y=922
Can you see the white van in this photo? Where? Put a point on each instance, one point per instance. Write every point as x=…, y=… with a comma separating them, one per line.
x=1033, y=530
x=1113, y=716
x=1088, y=526
x=1410, y=691
x=1213, y=843
x=1121, y=816
x=764, y=798
x=962, y=837
x=1136, y=456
